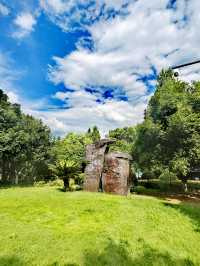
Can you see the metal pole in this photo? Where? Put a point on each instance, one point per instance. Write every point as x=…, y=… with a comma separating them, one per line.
x=187, y=64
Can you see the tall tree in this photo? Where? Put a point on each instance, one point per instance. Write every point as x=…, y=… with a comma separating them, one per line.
x=94, y=134
x=24, y=144
x=169, y=138
x=125, y=139
x=72, y=147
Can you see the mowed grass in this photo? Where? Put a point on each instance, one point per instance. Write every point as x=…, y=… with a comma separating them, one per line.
x=43, y=226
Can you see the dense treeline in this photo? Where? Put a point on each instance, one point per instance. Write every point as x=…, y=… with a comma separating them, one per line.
x=29, y=153
x=165, y=146
x=24, y=145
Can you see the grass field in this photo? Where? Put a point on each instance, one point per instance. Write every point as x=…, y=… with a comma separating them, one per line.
x=43, y=226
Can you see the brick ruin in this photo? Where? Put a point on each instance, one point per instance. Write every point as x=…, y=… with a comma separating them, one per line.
x=107, y=171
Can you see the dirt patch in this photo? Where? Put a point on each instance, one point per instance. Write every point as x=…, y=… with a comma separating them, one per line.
x=175, y=198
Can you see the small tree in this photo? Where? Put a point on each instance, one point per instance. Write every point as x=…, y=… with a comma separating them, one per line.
x=166, y=178
x=180, y=167
x=65, y=170
x=94, y=134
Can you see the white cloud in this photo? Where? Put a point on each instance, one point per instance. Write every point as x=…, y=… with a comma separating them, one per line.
x=59, y=7
x=110, y=115
x=8, y=76
x=13, y=97
x=126, y=48
x=25, y=23
x=67, y=12
x=4, y=10
x=55, y=6
x=85, y=113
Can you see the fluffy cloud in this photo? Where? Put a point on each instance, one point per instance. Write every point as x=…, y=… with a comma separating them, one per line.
x=55, y=6
x=8, y=76
x=68, y=13
x=4, y=10
x=110, y=115
x=131, y=42
x=25, y=23
x=128, y=51
x=84, y=112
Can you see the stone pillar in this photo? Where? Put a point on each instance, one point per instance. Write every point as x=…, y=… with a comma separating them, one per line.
x=95, y=154
x=116, y=173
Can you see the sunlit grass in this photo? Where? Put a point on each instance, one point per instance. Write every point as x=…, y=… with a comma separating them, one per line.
x=43, y=226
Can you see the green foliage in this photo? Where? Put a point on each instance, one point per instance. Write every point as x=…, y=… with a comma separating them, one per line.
x=65, y=170
x=68, y=158
x=72, y=147
x=169, y=138
x=176, y=185
x=139, y=189
x=80, y=179
x=166, y=179
x=24, y=145
x=39, y=184
x=94, y=134
x=52, y=183
x=125, y=138
x=180, y=166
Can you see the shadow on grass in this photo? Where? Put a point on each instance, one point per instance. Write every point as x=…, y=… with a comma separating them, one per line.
x=61, y=189
x=117, y=254
x=11, y=261
x=192, y=210
x=16, y=186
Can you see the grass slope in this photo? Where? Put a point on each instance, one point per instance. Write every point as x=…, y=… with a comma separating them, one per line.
x=43, y=226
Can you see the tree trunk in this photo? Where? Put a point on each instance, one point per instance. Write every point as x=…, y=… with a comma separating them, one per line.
x=185, y=186
x=66, y=184
x=3, y=170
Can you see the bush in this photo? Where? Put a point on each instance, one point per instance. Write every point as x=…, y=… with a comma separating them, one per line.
x=73, y=186
x=143, y=190
x=139, y=189
x=55, y=183
x=80, y=179
x=166, y=179
x=40, y=184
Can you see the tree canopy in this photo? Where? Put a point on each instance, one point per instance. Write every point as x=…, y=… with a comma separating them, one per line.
x=24, y=145
x=169, y=137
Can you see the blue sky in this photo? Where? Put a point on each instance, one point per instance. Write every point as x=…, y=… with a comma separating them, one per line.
x=96, y=60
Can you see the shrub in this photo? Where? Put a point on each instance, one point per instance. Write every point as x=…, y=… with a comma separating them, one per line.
x=65, y=170
x=80, y=179
x=73, y=186
x=40, y=184
x=166, y=179
x=55, y=183
x=139, y=189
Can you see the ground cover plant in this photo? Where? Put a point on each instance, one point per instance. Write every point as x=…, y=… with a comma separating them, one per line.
x=44, y=226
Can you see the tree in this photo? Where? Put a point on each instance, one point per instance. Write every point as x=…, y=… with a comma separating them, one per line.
x=68, y=154
x=169, y=137
x=125, y=138
x=65, y=170
x=71, y=147
x=24, y=145
x=94, y=134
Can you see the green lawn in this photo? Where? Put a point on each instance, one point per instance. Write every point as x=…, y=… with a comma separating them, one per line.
x=44, y=226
